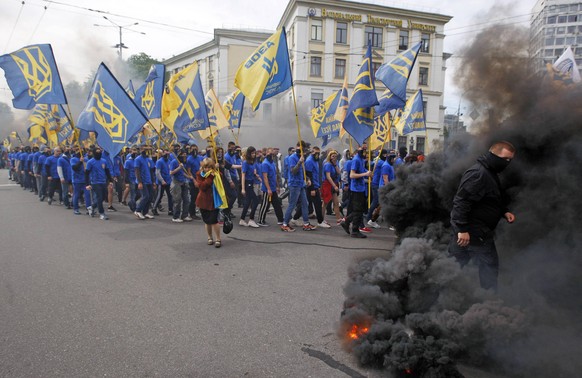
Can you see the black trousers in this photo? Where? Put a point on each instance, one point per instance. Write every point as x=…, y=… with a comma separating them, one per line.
x=358, y=202
x=313, y=201
x=484, y=253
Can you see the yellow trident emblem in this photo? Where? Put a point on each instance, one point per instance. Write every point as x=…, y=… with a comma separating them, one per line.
x=148, y=101
x=36, y=70
x=108, y=115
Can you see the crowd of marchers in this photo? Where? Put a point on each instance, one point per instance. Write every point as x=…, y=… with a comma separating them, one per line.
x=317, y=184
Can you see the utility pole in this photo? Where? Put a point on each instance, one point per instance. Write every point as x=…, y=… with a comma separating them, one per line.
x=120, y=45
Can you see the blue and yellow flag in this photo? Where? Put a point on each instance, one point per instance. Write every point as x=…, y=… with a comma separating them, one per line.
x=33, y=77
x=394, y=74
x=388, y=101
x=233, y=108
x=184, y=108
x=129, y=89
x=381, y=134
x=37, y=134
x=110, y=113
x=364, y=95
x=412, y=117
x=59, y=122
x=267, y=71
x=342, y=106
x=216, y=117
x=323, y=122
x=149, y=96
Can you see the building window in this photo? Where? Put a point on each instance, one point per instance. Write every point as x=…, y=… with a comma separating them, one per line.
x=375, y=66
x=402, y=141
x=562, y=19
x=424, y=105
x=423, y=76
x=340, y=68
x=267, y=111
x=549, y=41
x=560, y=41
x=560, y=30
x=573, y=18
x=316, y=99
x=570, y=40
x=425, y=39
x=341, y=33
x=315, y=66
x=550, y=31
x=374, y=36
x=210, y=84
x=316, y=29
x=571, y=29
x=420, y=141
x=552, y=20
x=403, y=40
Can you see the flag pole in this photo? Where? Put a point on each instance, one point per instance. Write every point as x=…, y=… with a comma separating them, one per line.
x=386, y=136
x=298, y=132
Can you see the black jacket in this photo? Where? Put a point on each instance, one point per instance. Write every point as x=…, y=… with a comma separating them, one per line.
x=480, y=202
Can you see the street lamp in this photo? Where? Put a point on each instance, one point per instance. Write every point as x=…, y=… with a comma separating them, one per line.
x=120, y=45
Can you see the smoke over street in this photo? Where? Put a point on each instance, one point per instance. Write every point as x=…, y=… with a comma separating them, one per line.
x=424, y=312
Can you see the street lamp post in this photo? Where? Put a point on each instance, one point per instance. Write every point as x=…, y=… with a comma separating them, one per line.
x=120, y=45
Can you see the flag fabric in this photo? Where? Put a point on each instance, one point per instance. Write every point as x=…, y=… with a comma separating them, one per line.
x=37, y=134
x=412, y=116
x=110, y=113
x=323, y=122
x=184, y=108
x=233, y=108
x=60, y=119
x=381, y=131
x=33, y=77
x=388, y=101
x=40, y=121
x=394, y=74
x=566, y=64
x=359, y=121
x=267, y=72
x=149, y=96
x=342, y=106
x=129, y=89
x=7, y=145
x=216, y=117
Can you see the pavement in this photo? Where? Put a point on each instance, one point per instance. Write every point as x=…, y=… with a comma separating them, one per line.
x=83, y=297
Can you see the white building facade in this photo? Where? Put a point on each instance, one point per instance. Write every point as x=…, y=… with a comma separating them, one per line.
x=328, y=39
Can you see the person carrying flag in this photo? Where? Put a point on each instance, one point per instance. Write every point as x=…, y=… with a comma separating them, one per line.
x=143, y=166
x=97, y=175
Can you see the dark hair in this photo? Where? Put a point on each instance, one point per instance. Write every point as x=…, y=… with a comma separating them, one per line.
x=248, y=155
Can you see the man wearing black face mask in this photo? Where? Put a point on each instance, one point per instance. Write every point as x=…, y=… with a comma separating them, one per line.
x=478, y=206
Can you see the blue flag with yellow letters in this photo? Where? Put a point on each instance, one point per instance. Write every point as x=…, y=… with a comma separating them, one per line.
x=388, y=101
x=412, y=117
x=149, y=96
x=33, y=77
x=267, y=72
x=323, y=122
x=394, y=74
x=110, y=113
x=233, y=108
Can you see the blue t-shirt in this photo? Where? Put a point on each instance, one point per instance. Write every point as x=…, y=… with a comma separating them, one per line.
x=192, y=163
x=248, y=169
x=51, y=164
x=178, y=176
x=269, y=168
x=377, y=173
x=78, y=176
x=96, y=169
x=41, y=167
x=295, y=180
x=357, y=185
x=388, y=170
x=29, y=162
x=163, y=167
x=129, y=167
x=63, y=162
x=398, y=161
x=329, y=167
x=233, y=160
x=347, y=168
x=144, y=166
x=312, y=166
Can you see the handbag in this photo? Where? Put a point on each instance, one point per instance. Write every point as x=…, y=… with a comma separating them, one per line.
x=227, y=224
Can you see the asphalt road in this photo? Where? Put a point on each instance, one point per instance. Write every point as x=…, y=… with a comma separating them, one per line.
x=82, y=297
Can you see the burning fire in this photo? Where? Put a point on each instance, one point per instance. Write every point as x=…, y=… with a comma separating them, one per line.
x=356, y=331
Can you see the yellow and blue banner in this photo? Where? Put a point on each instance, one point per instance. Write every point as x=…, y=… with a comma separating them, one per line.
x=37, y=134
x=267, y=72
x=381, y=134
x=33, y=77
x=359, y=121
x=130, y=90
x=149, y=96
x=323, y=122
x=110, y=113
x=183, y=105
x=233, y=108
x=59, y=122
x=412, y=116
x=388, y=101
x=342, y=106
x=394, y=74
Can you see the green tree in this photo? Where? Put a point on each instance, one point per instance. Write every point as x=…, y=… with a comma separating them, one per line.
x=139, y=65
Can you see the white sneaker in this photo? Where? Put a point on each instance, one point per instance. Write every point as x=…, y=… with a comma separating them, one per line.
x=149, y=216
x=323, y=224
x=373, y=224
x=177, y=220
x=188, y=219
x=294, y=222
x=253, y=224
x=139, y=215
x=242, y=223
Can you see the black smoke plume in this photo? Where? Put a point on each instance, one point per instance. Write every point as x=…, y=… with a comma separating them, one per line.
x=423, y=313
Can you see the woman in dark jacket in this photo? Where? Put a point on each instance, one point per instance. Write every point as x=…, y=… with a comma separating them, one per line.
x=205, y=201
